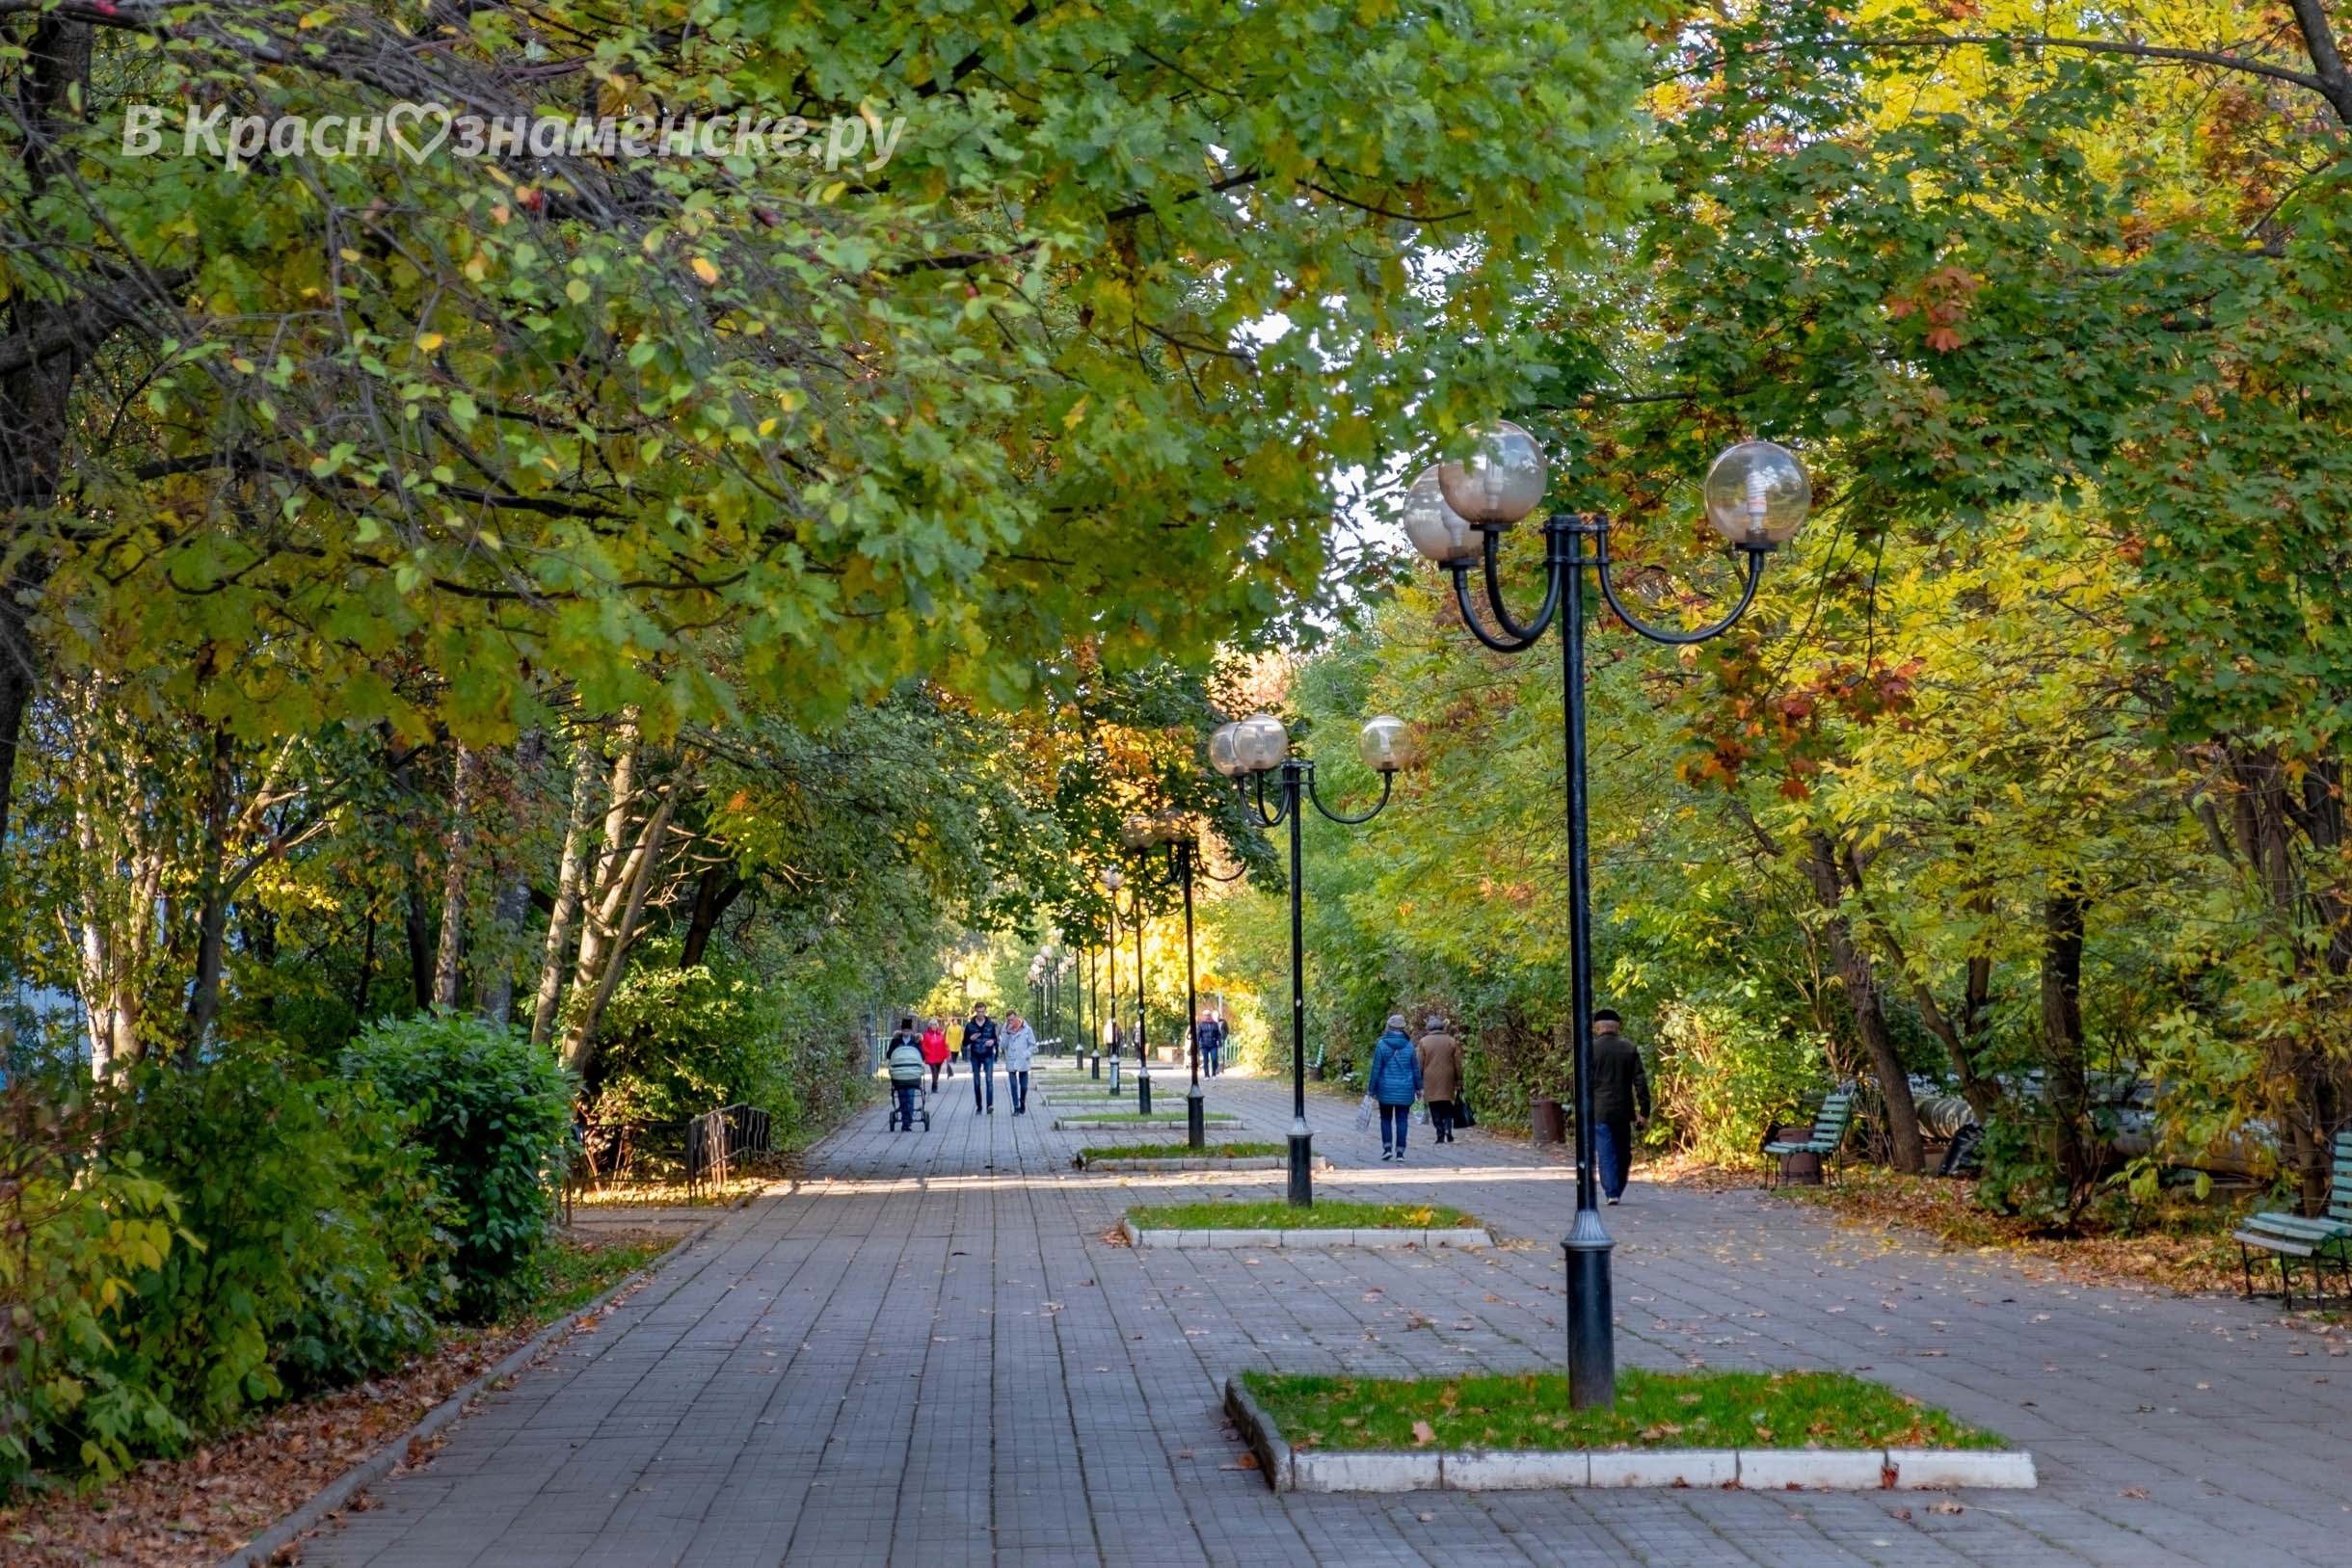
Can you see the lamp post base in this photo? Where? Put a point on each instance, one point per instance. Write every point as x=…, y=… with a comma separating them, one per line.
x=1097, y=1059
x=1195, y=1119
x=1115, y=1075
x=1143, y=1092
x=1302, y=1167
x=1592, y=1328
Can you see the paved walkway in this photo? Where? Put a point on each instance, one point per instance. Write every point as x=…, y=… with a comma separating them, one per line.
x=928, y=1354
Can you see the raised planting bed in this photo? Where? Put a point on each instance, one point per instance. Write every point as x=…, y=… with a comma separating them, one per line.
x=1146, y=1158
x=1764, y=1431
x=1111, y=1120
x=1331, y=1223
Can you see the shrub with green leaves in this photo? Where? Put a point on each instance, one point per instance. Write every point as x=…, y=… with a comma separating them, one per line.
x=314, y=1256
x=75, y=1231
x=680, y=1042
x=492, y=1115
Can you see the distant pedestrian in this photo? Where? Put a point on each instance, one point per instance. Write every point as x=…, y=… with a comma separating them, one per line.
x=906, y=1065
x=1020, y=1045
x=1204, y=1042
x=1396, y=1083
x=935, y=1051
x=1441, y=1076
x=981, y=1055
x=1621, y=1100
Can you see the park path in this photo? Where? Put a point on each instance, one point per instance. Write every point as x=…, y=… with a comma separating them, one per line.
x=926, y=1353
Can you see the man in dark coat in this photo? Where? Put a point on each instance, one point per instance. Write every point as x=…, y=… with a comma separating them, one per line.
x=1621, y=1100
x=980, y=1051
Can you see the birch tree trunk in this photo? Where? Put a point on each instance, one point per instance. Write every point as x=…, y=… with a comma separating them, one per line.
x=1860, y=981
x=624, y=907
x=568, y=890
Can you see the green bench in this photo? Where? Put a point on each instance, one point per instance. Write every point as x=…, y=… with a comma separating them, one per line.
x=2321, y=1240
x=1830, y=1121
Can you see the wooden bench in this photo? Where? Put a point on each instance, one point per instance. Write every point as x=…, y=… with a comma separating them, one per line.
x=1829, y=1123
x=2321, y=1239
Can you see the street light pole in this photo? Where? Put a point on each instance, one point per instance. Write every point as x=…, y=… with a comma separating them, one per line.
x=1196, y=1112
x=1143, y=1056
x=1256, y=746
x=1756, y=497
x=1112, y=882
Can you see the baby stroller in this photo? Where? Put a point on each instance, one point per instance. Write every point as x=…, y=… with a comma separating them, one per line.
x=902, y=1120
x=907, y=1100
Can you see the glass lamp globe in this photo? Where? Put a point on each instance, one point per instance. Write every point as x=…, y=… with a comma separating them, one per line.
x=1385, y=743
x=1223, y=755
x=1136, y=832
x=1501, y=481
x=1113, y=881
x=1436, y=530
x=1757, y=493
x=1261, y=742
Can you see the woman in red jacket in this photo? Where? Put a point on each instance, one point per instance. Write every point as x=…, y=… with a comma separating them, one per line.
x=934, y=1050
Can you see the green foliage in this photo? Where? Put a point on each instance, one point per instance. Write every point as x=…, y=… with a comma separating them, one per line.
x=314, y=1254
x=1721, y=1072
x=492, y=1114
x=681, y=1042
x=75, y=1236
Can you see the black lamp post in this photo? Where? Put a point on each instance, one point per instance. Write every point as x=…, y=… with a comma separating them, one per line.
x=1257, y=746
x=1756, y=497
x=1094, y=1013
x=1114, y=879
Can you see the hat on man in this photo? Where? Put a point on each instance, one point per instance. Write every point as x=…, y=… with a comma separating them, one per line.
x=1396, y=1021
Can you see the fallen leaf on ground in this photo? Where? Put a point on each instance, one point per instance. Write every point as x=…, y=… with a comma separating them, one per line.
x=1423, y=1434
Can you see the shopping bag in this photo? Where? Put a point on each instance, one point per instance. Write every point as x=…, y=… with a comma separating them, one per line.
x=1462, y=1114
x=1364, y=1113
x=1421, y=1113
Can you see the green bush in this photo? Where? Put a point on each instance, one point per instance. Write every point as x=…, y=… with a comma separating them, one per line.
x=678, y=1042
x=1720, y=1074
x=314, y=1256
x=75, y=1232
x=492, y=1115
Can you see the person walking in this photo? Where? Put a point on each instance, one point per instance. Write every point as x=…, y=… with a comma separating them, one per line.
x=1441, y=1076
x=981, y=1055
x=1216, y=1044
x=1621, y=1100
x=906, y=1065
x=1020, y=1045
x=1396, y=1083
x=935, y=1051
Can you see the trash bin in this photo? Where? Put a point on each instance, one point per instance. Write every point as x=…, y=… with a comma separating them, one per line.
x=1797, y=1170
x=1545, y=1123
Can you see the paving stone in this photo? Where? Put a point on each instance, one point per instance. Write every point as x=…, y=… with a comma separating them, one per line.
x=924, y=1352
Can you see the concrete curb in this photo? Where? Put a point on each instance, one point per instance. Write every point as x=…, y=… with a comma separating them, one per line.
x=1308, y=1236
x=258, y=1552
x=1759, y=1470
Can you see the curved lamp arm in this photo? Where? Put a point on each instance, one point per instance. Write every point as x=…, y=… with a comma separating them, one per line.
x=1515, y=638
x=1271, y=820
x=1388, y=779
x=1661, y=634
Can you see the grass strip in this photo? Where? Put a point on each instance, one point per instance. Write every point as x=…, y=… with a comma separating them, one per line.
x=1328, y=1213
x=1178, y=1151
x=1653, y=1410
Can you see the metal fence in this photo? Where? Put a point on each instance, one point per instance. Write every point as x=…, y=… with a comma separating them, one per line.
x=719, y=1139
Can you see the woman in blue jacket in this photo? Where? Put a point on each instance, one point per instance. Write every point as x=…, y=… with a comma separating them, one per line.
x=1396, y=1083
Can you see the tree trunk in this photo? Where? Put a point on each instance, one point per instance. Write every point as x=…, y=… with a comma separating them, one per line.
x=713, y=892
x=34, y=411
x=457, y=843
x=1860, y=981
x=606, y=875
x=2069, y=1087
x=212, y=900
x=367, y=965
x=621, y=926
x=568, y=890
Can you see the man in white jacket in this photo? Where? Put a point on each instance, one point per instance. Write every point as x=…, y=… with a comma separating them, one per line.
x=1018, y=1046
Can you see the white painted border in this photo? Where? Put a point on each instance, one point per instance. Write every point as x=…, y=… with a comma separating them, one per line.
x=1459, y=1470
